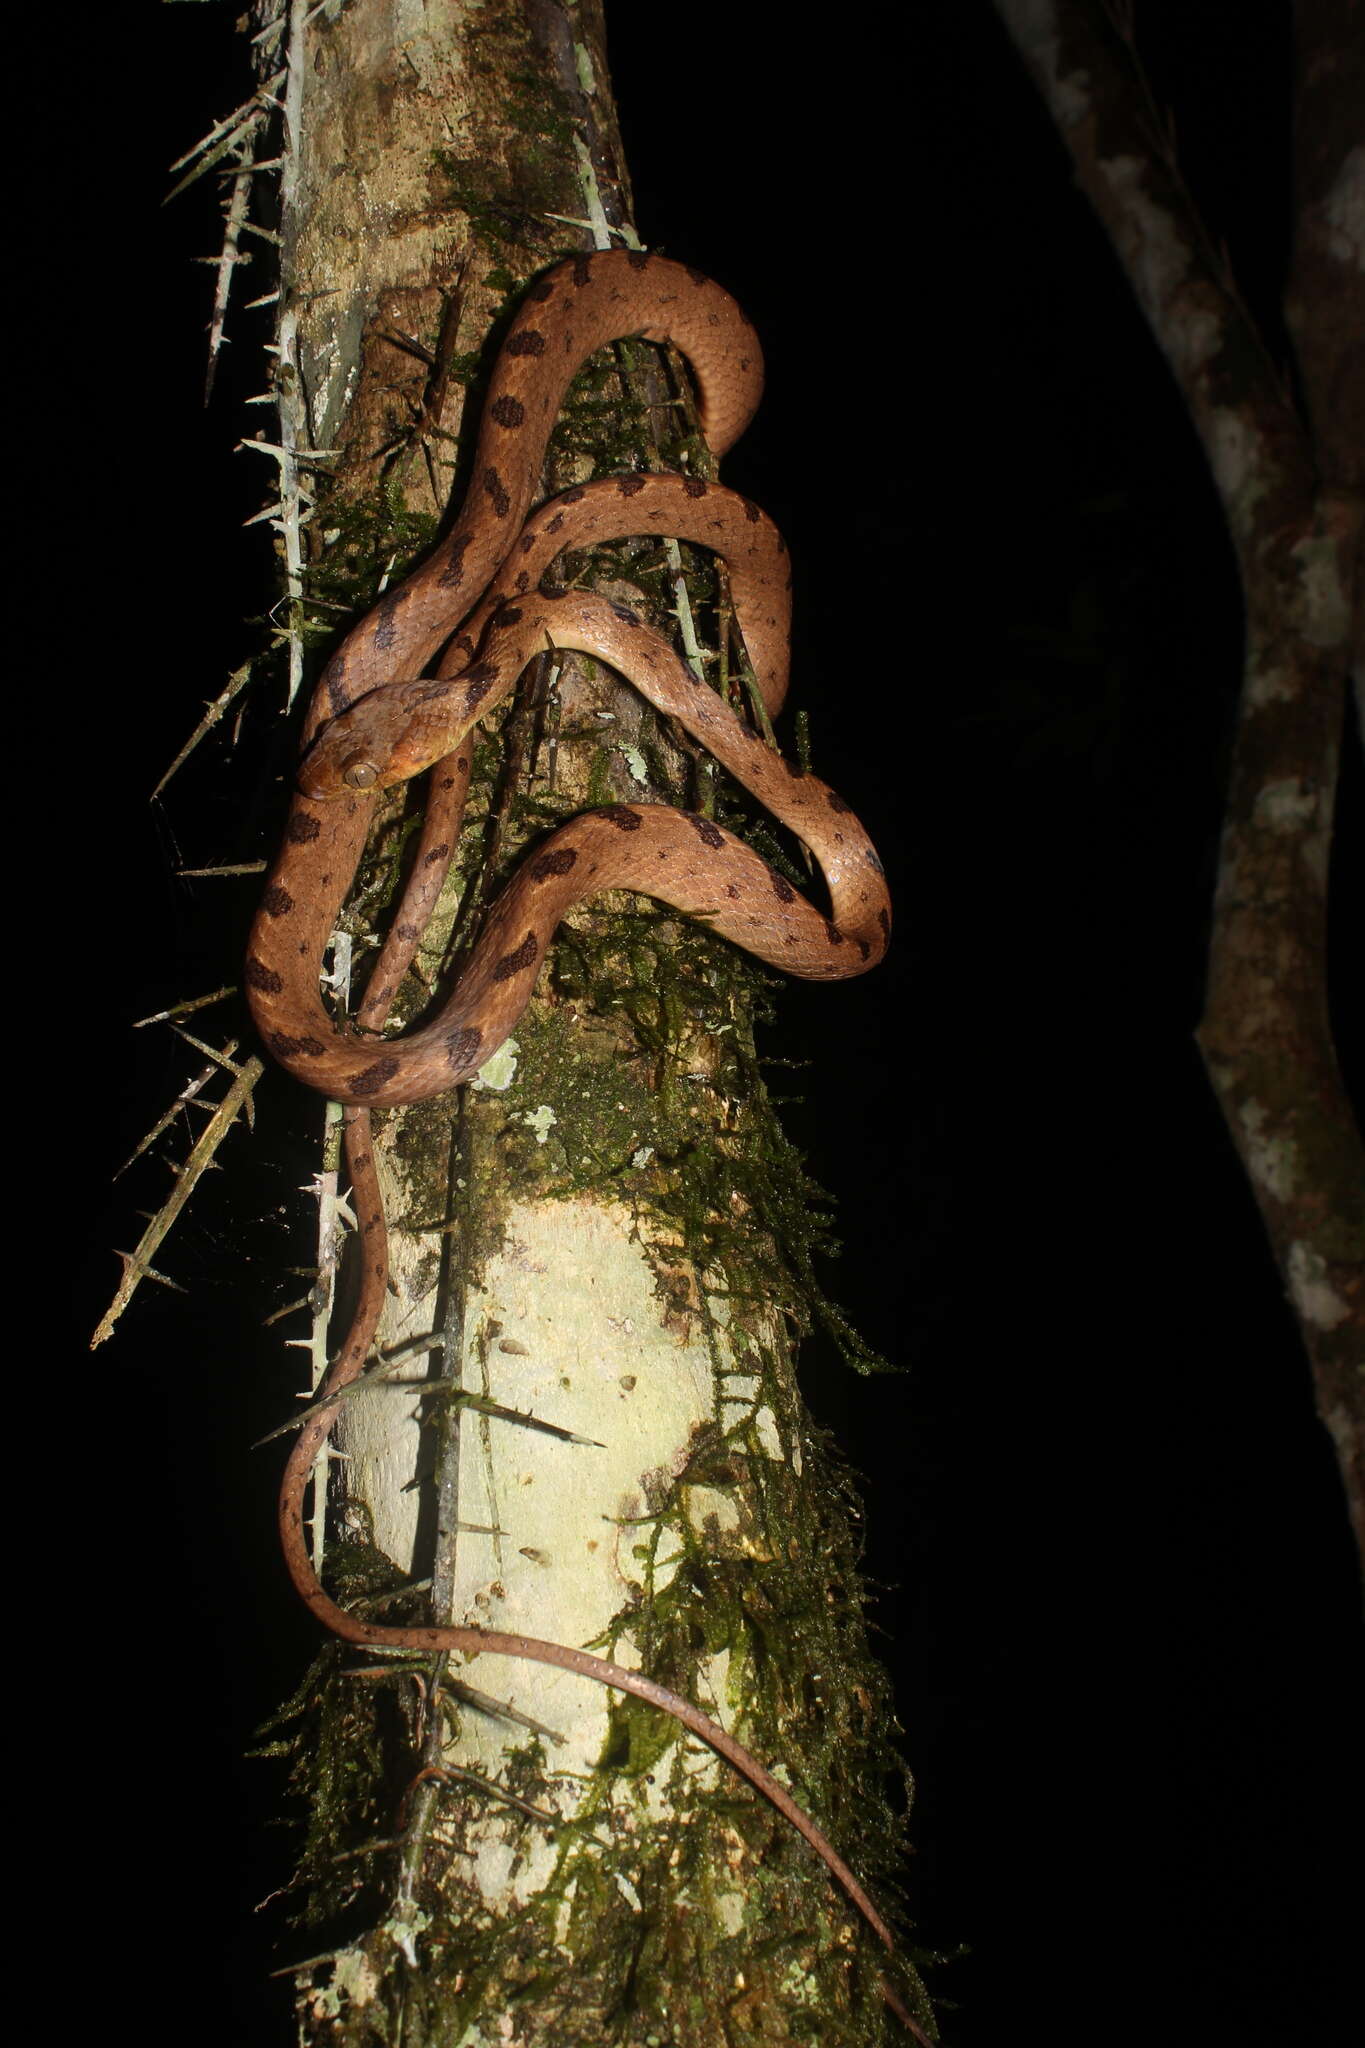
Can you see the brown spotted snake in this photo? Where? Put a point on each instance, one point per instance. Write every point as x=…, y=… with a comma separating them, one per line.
x=376, y=719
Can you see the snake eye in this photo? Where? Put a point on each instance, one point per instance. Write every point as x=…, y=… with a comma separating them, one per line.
x=359, y=772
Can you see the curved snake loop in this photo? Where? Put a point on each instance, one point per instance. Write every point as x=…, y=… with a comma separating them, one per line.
x=365, y=730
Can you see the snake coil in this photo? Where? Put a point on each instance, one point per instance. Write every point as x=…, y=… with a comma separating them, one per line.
x=375, y=719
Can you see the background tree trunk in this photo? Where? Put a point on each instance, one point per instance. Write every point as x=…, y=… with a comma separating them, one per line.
x=1291, y=481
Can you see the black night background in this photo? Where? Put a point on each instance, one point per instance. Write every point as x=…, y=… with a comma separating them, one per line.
x=1113, y=1570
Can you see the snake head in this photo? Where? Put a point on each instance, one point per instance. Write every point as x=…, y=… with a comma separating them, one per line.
x=393, y=733
x=364, y=749
x=339, y=761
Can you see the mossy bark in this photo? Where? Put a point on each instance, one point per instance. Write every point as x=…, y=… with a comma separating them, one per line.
x=608, y=1234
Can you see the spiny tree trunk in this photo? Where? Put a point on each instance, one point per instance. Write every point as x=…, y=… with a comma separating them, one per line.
x=610, y=1234
x=1291, y=479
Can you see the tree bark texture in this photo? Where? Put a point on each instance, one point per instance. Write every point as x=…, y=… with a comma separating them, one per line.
x=608, y=1234
x=1286, y=449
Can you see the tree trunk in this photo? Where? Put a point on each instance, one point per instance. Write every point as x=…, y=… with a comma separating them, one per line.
x=600, y=1251
x=1292, y=488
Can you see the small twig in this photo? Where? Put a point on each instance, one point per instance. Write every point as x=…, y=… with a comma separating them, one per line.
x=263, y=95
x=290, y=1308
x=444, y=1773
x=212, y=713
x=182, y=1101
x=455, y=1690
x=326, y=1955
x=239, y=126
x=137, y=1265
x=221, y=1058
x=241, y=867
x=367, y=1382
x=231, y=253
x=186, y=1008
x=378, y=1380
x=461, y=1397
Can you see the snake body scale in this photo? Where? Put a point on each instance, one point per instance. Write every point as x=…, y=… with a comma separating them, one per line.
x=375, y=719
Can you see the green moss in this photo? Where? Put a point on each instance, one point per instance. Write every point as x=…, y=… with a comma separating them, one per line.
x=672, y=1115
x=507, y=192
x=372, y=541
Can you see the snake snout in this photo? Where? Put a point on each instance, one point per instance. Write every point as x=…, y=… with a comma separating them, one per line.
x=324, y=774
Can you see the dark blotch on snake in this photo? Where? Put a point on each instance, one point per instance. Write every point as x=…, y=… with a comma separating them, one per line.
x=525, y=956
x=263, y=979
x=334, y=683
x=453, y=573
x=386, y=620
x=709, y=834
x=302, y=829
x=278, y=900
x=462, y=1045
x=509, y=412
x=557, y=863
x=374, y=1077
x=284, y=1047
